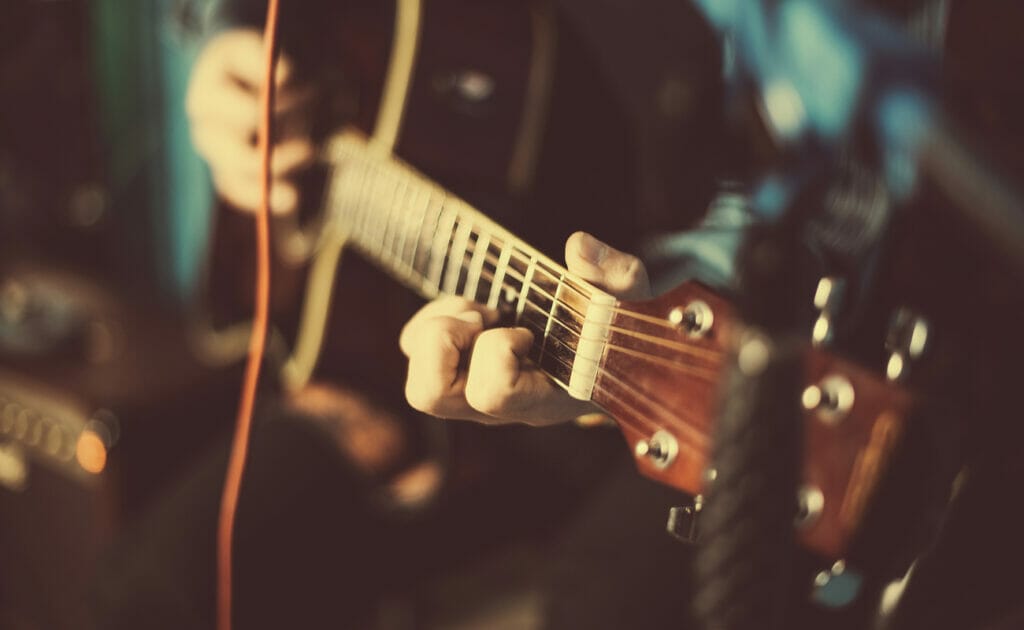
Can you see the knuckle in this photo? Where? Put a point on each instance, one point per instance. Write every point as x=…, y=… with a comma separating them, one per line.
x=487, y=395
x=421, y=397
x=633, y=272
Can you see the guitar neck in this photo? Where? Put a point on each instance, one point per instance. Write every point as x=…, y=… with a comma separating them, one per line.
x=437, y=244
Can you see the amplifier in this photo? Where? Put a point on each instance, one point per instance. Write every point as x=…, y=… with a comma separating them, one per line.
x=56, y=507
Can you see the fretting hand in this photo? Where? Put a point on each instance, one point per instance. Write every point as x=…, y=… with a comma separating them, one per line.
x=460, y=368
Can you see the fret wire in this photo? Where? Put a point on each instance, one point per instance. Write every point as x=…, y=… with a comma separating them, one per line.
x=527, y=279
x=459, y=243
x=413, y=235
x=380, y=217
x=407, y=214
x=335, y=203
x=435, y=210
x=388, y=201
x=334, y=193
x=408, y=221
x=369, y=216
x=567, y=349
x=362, y=217
x=384, y=209
x=500, y=271
x=425, y=240
x=551, y=314
x=421, y=202
x=401, y=267
x=476, y=264
x=396, y=224
x=365, y=205
x=343, y=206
x=443, y=236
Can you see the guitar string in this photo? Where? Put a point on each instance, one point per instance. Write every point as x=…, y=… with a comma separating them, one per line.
x=668, y=343
x=677, y=424
x=580, y=319
x=467, y=260
x=690, y=349
x=638, y=415
x=666, y=413
x=525, y=256
x=670, y=419
x=686, y=368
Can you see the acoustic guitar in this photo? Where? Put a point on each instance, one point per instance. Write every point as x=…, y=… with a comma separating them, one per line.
x=653, y=366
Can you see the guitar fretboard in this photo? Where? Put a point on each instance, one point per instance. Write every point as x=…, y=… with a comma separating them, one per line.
x=437, y=244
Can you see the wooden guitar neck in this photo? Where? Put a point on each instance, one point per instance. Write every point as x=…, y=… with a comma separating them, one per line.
x=437, y=244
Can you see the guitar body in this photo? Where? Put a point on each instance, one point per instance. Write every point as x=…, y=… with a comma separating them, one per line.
x=508, y=128
x=500, y=100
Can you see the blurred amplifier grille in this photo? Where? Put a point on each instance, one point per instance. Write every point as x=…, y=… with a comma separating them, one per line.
x=51, y=430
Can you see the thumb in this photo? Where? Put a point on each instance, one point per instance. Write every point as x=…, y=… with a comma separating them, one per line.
x=620, y=274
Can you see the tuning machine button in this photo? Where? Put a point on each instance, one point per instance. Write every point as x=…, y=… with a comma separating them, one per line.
x=828, y=299
x=831, y=399
x=810, y=504
x=696, y=318
x=683, y=521
x=661, y=449
x=905, y=342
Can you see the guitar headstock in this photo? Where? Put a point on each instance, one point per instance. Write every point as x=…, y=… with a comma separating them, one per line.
x=660, y=379
x=661, y=368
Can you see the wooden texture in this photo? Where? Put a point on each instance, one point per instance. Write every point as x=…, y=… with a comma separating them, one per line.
x=656, y=376
x=659, y=378
x=847, y=458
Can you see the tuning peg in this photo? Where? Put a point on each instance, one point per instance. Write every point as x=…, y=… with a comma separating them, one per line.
x=906, y=341
x=828, y=299
x=682, y=521
x=696, y=319
x=831, y=399
x=661, y=449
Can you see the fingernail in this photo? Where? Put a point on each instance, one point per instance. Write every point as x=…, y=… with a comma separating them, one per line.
x=592, y=250
x=472, y=317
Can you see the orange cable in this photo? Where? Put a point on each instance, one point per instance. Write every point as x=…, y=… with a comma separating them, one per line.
x=257, y=340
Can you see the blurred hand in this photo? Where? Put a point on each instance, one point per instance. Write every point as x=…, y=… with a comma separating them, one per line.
x=223, y=109
x=460, y=369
